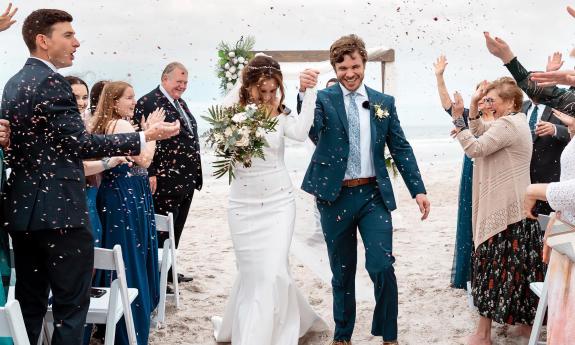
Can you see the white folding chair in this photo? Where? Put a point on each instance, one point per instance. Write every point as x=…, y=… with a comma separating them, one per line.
x=12, y=323
x=115, y=303
x=540, y=289
x=167, y=260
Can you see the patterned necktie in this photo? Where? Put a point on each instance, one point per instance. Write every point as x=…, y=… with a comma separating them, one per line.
x=533, y=121
x=183, y=115
x=354, y=158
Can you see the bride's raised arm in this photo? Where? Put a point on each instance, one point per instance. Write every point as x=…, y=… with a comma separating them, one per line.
x=297, y=127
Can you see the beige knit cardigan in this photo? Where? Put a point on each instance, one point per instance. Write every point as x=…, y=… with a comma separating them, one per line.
x=502, y=155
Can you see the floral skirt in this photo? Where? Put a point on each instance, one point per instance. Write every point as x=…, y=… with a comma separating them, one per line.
x=502, y=269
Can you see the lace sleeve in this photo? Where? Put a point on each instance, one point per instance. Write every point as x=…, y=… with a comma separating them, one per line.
x=297, y=127
x=561, y=195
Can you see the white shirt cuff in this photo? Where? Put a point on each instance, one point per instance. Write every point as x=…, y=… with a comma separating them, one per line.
x=555, y=128
x=142, y=141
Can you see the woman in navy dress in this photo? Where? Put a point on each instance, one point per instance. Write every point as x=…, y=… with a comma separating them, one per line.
x=126, y=208
x=461, y=269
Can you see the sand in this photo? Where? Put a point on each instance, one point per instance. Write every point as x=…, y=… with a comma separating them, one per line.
x=430, y=312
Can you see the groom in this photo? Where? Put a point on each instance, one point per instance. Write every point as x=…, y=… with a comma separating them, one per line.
x=348, y=176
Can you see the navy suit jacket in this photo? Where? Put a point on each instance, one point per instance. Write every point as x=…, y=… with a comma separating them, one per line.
x=177, y=164
x=46, y=189
x=329, y=132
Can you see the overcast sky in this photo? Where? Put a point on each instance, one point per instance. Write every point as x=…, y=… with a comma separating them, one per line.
x=132, y=40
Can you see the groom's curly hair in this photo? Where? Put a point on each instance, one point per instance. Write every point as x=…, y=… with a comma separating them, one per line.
x=347, y=45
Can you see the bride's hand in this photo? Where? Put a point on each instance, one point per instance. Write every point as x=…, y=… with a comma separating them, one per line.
x=156, y=116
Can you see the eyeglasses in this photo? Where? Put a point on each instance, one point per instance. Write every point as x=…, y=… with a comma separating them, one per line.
x=488, y=100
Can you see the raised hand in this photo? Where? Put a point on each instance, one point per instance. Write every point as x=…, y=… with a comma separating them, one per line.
x=158, y=115
x=6, y=20
x=162, y=130
x=4, y=133
x=498, y=47
x=480, y=92
x=458, y=106
x=544, y=79
x=440, y=65
x=554, y=62
x=566, y=119
x=307, y=79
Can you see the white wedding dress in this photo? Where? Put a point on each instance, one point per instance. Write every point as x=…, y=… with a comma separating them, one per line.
x=265, y=306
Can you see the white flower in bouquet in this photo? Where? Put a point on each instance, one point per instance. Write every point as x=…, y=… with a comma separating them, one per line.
x=219, y=137
x=229, y=85
x=235, y=61
x=241, y=59
x=234, y=76
x=260, y=132
x=228, y=132
x=244, y=141
x=227, y=66
x=252, y=107
x=239, y=117
x=232, y=54
x=228, y=74
x=233, y=69
x=240, y=67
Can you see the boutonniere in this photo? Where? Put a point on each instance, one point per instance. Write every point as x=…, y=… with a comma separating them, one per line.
x=379, y=110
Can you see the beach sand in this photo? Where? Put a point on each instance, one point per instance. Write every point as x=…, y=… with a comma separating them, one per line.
x=430, y=312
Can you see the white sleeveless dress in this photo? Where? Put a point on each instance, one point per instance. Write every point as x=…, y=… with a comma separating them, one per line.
x=265, y=306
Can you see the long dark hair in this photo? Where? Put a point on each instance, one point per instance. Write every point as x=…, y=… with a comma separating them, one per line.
x=258, y=70
x=95, y=94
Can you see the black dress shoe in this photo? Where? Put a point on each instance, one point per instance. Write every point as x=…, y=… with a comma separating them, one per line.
x=183, y=279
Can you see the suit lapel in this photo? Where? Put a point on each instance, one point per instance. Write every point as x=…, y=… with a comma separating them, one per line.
x=338, y=103
x=372, y=97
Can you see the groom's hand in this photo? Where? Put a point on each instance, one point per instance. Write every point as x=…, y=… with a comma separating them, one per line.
x=308, y=78
x=424, y=205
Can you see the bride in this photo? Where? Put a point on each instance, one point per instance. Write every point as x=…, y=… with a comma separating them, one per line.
x=265, y=306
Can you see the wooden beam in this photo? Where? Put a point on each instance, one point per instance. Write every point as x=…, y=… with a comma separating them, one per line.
x=317, y=55
x=382, y=77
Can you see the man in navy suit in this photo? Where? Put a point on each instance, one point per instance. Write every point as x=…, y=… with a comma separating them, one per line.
x=44, y=203
x=176, y=170
x=349, y=179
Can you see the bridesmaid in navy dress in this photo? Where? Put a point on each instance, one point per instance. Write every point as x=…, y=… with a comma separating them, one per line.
x=126, y=208
x=461, y=269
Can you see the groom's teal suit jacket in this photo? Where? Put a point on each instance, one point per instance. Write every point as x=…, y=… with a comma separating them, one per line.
x=329, y=133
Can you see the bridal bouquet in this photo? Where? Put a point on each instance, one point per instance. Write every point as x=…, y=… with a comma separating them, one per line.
x=238, y=135
x=231, y=61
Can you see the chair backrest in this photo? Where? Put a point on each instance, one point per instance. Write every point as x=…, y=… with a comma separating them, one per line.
x=166, y=224
x=12, y=323
x=112, y=260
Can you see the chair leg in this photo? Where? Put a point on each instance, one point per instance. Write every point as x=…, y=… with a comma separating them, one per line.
x=175, y=279
x=539, y=316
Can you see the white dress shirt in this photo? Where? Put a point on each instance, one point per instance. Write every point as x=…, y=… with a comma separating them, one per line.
x=540, y=110
x=55, y=69
x=367, y=169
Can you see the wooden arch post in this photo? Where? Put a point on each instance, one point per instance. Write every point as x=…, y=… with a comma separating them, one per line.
x=323, y=55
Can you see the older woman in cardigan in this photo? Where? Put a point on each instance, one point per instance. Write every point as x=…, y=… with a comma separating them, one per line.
x=508, y=247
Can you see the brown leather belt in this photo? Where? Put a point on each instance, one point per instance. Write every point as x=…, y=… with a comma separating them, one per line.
x=358, y=181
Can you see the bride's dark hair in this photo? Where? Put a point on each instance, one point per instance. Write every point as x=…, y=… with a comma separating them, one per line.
x=258, y=70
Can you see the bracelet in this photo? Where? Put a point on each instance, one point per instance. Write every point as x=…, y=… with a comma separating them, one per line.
x=459, y=123
x=105, y=163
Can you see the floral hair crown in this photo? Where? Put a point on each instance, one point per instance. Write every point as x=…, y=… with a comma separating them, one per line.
x=263, y=67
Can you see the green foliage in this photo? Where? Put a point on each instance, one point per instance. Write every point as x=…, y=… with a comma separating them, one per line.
x=238, y=136
x=232, y=59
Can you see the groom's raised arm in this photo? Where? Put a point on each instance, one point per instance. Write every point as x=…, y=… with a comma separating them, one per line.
x=402, y=153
